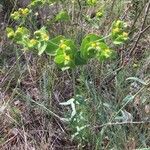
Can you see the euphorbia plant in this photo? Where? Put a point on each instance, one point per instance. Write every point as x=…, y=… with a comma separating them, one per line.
x=64, y=50
x=66, y=53
x=118, y=32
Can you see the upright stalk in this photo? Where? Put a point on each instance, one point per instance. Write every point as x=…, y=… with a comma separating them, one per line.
x=73, y=82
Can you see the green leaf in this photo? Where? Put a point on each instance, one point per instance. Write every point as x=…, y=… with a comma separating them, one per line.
x=70, y=43
x=91, y=2
x=119, y=40
x=69, y=102
x=64, y=68
x=128, y=98
x=72, y=104
x=59, y=59
x=103, y=46
x=86, y=44
x=42, y=48
x=65, y=54
x=79, y=60
x=89, y=38
x=35, y=3
x=137, y=79
x=53, y=44
x=104, y=53
x=62, y=16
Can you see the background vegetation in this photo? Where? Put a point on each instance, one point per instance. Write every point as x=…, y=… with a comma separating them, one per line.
x=96, y=106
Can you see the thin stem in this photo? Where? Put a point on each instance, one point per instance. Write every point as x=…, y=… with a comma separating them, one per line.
x=52, y=113
x=132, y=51
x=120, y=123
x=73, y=82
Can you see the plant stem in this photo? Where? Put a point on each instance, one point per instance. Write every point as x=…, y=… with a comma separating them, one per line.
x=73, y=82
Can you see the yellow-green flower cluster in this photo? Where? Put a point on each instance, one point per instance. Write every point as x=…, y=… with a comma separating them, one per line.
x=21, y=13
x=32, y=43
x=18, y=34
x=95, y=45
x=93, y=48
x=65, y=51
x=21, y=36
x=41, y=34
x=99, y=49
x=99, y=14
x=106, y=53
x=10, y=33
x=118, y=34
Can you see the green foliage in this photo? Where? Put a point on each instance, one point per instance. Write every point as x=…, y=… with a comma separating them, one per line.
x=91, y=2
x=78, y=118
x=119, y=36
x=94, y=46
x=37, y=3
x=65, y=52
x=42, y=37
x=62, y=16
x=20, y=35
x=21, y=13
x=89, y=46
x=53, y=45
x=99, y=13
